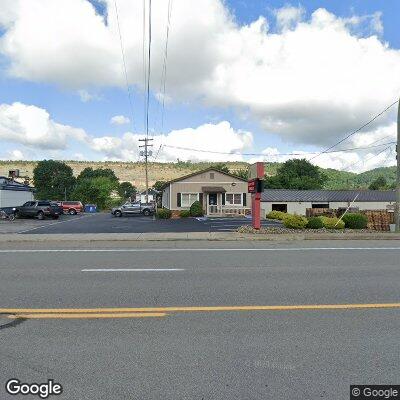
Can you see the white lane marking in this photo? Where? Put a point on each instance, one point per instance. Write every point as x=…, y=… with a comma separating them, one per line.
x=132, y=269
x=55, y=223
x=149, y=250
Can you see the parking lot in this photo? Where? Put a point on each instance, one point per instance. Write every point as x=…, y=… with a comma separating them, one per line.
x=105, y=223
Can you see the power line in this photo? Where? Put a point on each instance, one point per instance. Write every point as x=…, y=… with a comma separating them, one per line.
x=278, y=154
x=148, y=74
x=370, y=158
x=357, y=130
x=164, y=75
x=124, y=66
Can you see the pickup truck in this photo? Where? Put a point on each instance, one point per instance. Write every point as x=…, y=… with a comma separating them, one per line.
x=37, y=209
x=133, y=208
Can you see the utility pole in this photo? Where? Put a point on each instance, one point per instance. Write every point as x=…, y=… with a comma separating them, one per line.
x=397, y=209
x=146, y=153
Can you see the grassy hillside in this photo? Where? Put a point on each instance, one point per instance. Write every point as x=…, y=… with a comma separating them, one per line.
x=134, y=172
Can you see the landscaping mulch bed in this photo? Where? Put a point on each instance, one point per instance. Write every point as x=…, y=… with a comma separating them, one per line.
x=283, y=230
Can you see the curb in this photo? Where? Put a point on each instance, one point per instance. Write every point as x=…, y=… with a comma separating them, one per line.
x=193, y=236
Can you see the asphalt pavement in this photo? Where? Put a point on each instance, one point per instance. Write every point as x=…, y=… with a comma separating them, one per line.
x=203, y=320
x=106, y=223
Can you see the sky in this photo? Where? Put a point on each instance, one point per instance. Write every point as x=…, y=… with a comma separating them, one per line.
x=244, y=80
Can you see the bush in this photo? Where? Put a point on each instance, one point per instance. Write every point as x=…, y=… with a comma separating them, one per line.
x=184, y=214
x=332, y=223
x=315, y=223
x=163, y=213
x=295, y=221
x=276, y=215
x=355, y=221
x=196, y=209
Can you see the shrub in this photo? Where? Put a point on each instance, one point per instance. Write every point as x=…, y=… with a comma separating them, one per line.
x=163, y=213
x=276, y=215
x=196, y=209
x=295, y=221
x=355, y=221
x=315, y=223
x=184, y=214
x=332, y=223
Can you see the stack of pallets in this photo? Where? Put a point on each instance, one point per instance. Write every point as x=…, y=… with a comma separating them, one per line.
x=379, y=220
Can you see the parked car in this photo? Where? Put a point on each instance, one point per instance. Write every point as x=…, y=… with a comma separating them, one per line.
x=37, y=209
x=133, y=208
x=71, y=207
x=57, y=206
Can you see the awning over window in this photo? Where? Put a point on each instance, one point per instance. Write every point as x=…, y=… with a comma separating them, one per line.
x=213, y=189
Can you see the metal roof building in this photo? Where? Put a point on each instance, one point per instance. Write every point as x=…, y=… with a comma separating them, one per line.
x=13, y=193
x=297, y=201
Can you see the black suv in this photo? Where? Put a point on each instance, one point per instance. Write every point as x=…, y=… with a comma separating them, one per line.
x=39, y=209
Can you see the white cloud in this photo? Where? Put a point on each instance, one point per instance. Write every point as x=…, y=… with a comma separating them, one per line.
x=311, y=81
x=288, y=17
x=86, y=96
x=119, y=120
x=375, y=149
x=219, y=137
x=15, y=155
x=32, y=126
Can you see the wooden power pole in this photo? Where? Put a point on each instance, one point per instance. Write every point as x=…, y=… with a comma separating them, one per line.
x=146, y=153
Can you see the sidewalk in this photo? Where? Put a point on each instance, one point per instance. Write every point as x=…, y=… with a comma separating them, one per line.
x=214, y=236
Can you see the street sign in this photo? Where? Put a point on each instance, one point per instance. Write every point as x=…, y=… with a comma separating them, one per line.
x=255, y=186
x=251, y=186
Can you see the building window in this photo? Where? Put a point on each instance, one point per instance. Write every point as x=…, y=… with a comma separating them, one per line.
x=211, y=175
x=279, y=207
x=233, y=199
x=320, y=205
x=188, y=199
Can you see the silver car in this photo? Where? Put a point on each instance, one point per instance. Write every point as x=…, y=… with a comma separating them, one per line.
x=133, y=208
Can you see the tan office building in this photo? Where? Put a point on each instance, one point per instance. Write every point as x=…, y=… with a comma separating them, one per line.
x=220, y=193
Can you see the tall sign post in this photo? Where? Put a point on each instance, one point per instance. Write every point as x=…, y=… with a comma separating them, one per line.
x=256, y=187
x=397, y=209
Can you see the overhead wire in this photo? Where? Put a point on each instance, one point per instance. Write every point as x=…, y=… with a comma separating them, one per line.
x=164, y=75
x=124, y=66
x=357, y=130
x=277, y=154
x=148, y=72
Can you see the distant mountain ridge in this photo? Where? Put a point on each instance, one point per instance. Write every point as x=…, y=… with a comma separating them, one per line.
x=134, y=172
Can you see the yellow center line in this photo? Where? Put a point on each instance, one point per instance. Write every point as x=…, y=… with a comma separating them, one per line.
x=85, y=315
x=198, y=308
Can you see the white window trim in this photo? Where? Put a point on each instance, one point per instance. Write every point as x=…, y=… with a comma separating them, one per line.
x=235, y=205
x=182, y=193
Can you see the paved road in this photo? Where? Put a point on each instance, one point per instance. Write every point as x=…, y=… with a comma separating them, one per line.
x=289, y=352
x=105, y=223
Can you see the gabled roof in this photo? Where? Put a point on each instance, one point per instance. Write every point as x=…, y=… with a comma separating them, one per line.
x=202, y=172
x=289, y=195
x=151, y=191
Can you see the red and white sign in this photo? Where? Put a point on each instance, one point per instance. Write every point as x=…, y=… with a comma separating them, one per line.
x=256, y=172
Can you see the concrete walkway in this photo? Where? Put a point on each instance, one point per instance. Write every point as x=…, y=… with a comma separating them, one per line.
x=215, y=236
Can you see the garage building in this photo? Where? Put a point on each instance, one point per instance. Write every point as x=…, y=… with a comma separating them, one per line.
x=14, y=193
x=297, y=201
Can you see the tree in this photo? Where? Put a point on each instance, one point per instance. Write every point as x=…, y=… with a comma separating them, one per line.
x=53, y=180
x=158, y=185
x=90, y=173
x=95, y=191
x=296, y=174
x=221, y=167
x=379, y=183
x=242, y=173
x=126, y=189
